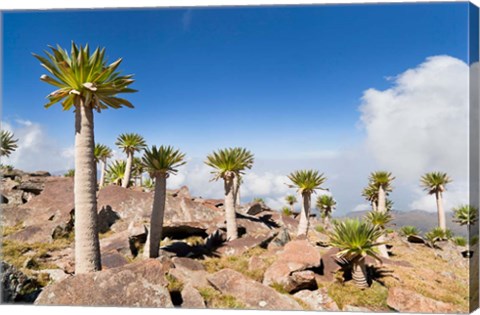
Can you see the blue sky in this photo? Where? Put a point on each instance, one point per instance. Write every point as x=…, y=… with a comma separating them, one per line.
x=285, y=82
x=272, y=73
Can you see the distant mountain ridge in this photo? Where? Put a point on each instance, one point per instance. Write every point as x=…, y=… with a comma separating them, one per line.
x=423, y=220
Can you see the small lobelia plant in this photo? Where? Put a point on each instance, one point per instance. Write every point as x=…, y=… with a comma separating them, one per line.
x=460, y=241
x=356, y=240
x=465, y=215
x=409, y=230
x=287, y=211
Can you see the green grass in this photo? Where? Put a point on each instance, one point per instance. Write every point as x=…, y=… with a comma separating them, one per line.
x=279, y=288
x=14, y=252
x=239, y=263
x=304, y=305
x=214, y=299
x=287, y=211
x=174, y=285
x=374, y=298
x=459, y=241
x=320, y=229
x=9, y=230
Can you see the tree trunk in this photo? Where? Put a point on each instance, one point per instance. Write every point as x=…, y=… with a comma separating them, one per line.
x=359, y=273
x=382, y=249
x=304, y=215
x=326, y=221
x=236, y=189
x=152, y=245
x=104, y=171
x=441, y=213
x=381, y=200
x=87, y=247
x=230, y=214
x=374, y=206
x=128, y=170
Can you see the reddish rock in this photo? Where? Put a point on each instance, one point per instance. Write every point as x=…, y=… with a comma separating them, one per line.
x=256, y=263
x=136, y=206
x=113, y=259
x=192, y=298
x=297, y=256
x=300, y=280
x=329, y=265
x=317, y=300
x=118, y=242
x=141, y=284
x=241, y=245
x=189, y=271
x=251, y=293
x=52, y=208
x=402, y=300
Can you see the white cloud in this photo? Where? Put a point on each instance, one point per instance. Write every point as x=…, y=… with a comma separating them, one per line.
x=362, y=207
x=420, y=124
x=37, y=150
x=453, y=197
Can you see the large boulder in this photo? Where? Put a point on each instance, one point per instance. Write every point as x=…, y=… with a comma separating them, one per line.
x=136, y=206
x=403, y=300
x=298, y=255
x=52, y=208
x=243, y=244
x=141, y=284
x=189, y=272
x=300, y=280
x=251, y=293
x=191, y=298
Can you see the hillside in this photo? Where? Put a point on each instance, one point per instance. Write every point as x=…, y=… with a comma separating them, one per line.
x=268, y=267
x=423, y=220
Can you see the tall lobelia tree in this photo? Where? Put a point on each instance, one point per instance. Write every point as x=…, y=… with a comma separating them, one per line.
x=381, y=181
x=326, y=204
x=7, y=144
x=101, y=153
x=137, y=170
x=237, y=182
x=307, y=182
x=130, y=143
x=160, y=163
x=85, y=82
x=371, y=194
x=291, y=200
x=435, y=183
x=229, y=164
x=116, y=172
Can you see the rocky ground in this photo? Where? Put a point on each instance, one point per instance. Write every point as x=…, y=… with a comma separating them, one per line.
x=266, y=268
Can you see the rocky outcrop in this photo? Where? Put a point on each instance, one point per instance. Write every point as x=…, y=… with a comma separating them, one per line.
x=241, y=245
x=251, y=293
x=137, y=205
x=16, y=286
x=297, y=256
x=402, y=300
x=52, y=208
x=141, y=284
x=300, y=280
x=19, y=187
